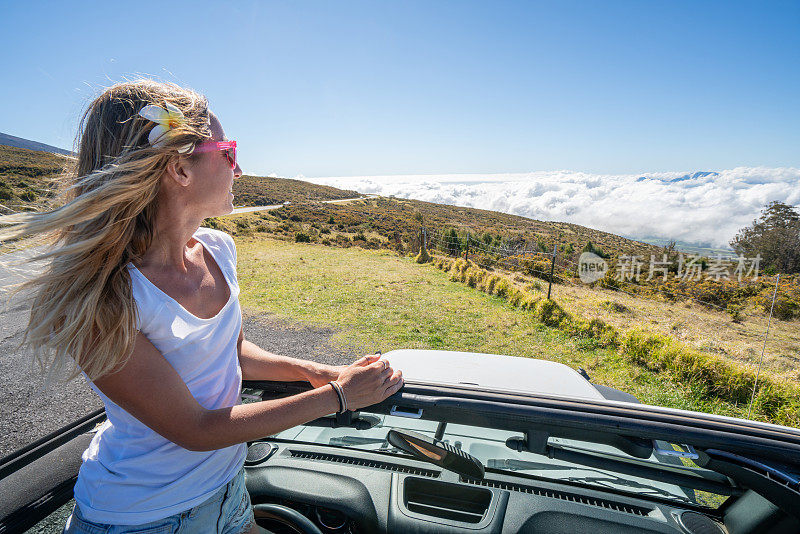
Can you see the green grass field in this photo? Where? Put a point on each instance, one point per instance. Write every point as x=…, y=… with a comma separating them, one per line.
x=377, y=300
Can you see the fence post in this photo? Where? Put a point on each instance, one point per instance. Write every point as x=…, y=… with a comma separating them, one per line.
x=552, y=268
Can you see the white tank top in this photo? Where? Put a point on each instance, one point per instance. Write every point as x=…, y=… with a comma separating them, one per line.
x=132, y=475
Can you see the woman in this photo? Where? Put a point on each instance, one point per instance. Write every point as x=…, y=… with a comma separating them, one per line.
x=144, y=302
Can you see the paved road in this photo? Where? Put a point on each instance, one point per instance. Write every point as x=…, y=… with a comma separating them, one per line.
x=28, y=411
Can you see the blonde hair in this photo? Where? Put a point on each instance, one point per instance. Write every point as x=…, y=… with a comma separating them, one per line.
x=82, y=306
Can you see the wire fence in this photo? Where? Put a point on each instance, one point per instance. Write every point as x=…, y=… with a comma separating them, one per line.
x=552, y=266
x=519, y=256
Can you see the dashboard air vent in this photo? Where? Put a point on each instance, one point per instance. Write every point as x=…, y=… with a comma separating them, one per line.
x=564, y=496
x=453, y=502
x=365, y=463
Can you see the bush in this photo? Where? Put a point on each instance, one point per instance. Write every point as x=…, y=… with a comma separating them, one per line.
x=550, y=313
x=616, y=307
x=501, y=288
x=423, y=256
x=536, y=268
x=301, y=237
x=609, y=281
x=716, y=377
x=534, y=286
x=736, y=312
x=6, y=193
x=491, y=282
x=474, y=276
x=785, y=308
x=515, y=296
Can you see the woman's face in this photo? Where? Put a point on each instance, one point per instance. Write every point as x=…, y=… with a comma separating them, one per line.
x=212, y=183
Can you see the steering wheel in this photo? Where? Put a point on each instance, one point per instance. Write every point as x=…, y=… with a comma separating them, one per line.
x=288, y=516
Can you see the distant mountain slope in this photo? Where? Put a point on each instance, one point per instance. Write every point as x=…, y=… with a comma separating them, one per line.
x=265, y=190
x=399, y=219
x=19, y=142
x=26, y=178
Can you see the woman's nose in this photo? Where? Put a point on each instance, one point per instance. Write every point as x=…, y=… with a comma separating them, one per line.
x=237, y=172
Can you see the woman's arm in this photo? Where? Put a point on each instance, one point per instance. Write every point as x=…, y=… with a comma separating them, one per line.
x=259, y=364
x=150, y=389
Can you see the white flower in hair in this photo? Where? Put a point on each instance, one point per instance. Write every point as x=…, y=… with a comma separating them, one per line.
x=167, y=120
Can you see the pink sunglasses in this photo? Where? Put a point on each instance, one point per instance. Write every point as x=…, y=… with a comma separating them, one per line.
x=229, y=147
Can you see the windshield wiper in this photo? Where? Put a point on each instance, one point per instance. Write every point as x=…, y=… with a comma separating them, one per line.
x=670, y=474
x=610, y=481
x=355, y=441
x=524, y=465
x=512, y=464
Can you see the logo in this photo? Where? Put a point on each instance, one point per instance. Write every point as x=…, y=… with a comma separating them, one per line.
x=591, y=267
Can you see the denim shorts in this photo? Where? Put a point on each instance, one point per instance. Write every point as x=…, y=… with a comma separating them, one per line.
x=228, y=511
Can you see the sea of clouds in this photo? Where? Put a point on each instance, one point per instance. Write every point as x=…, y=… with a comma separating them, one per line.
x=705, y=208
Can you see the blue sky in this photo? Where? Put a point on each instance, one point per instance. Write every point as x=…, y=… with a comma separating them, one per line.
x=379, y=88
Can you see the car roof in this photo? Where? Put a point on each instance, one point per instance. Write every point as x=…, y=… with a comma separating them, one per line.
x=492, y=371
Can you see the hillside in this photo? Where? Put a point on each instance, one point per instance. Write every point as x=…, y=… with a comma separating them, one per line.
x=392, y=216
x=19, y=142
x=264, y=191
x=27, y=178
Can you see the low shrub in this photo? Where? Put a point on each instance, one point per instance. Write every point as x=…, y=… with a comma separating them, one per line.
x=549, y=313
x=501, y=288
x=616, y=307
x=785, y=308
x=736, y=311
x=515, y=296
x=715, y=377
x=423, y=256
x=475, y=276
x=491, y=282
x=534, y=286
x=301, y=237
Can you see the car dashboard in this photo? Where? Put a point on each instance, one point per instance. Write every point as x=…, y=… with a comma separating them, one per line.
x=354, y=491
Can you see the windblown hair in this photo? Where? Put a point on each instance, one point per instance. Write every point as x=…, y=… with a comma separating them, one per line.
x=82, y=306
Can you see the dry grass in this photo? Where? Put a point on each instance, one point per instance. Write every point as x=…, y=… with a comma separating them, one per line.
x=704, y=329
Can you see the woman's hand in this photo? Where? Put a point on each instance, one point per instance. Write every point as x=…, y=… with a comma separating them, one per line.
x=368, y=381
x=322, y=373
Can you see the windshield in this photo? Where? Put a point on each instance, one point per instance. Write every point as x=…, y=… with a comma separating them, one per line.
x=489, y=446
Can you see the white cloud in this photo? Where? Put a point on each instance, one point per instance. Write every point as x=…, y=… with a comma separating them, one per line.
x=691, y=207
